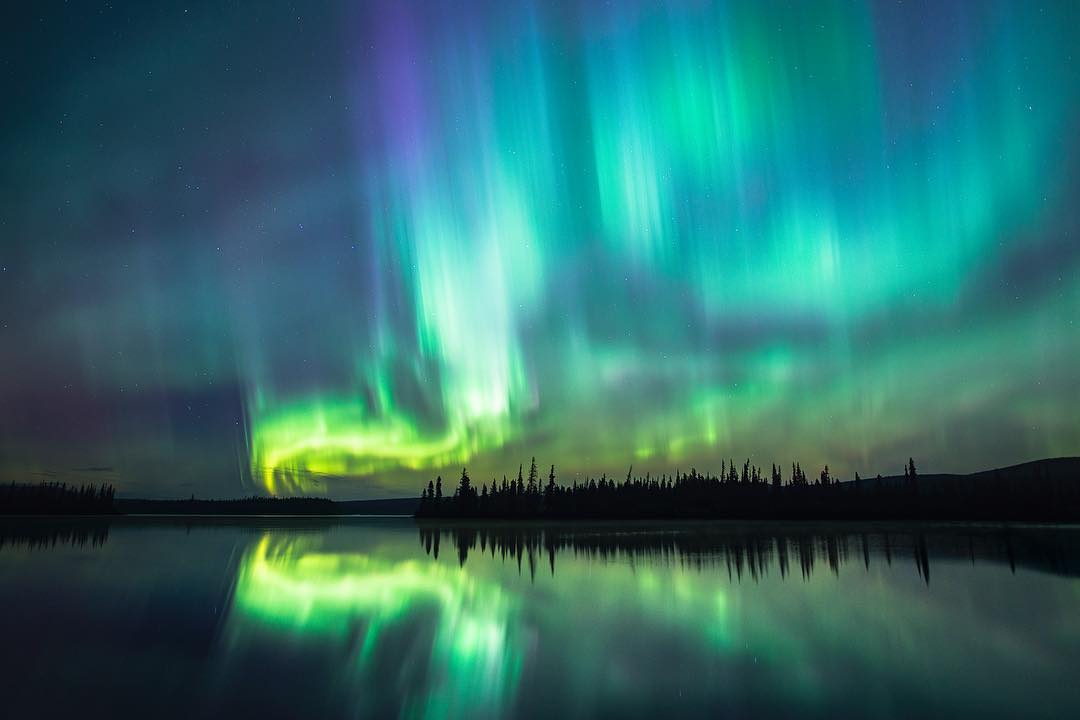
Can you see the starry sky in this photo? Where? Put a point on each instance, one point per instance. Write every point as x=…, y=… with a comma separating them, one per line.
x=336, y=248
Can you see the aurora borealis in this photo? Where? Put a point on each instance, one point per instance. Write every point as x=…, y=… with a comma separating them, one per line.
x=338, y=249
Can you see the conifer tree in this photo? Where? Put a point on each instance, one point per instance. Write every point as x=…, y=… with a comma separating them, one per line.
x=532, y=488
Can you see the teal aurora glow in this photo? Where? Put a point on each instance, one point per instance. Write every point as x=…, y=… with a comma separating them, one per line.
x=340, y=250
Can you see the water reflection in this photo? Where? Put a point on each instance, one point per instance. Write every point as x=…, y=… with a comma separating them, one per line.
x=47, y=534
x=461, y=623
x=755, y=550
x=310, y=618
x=608, y=620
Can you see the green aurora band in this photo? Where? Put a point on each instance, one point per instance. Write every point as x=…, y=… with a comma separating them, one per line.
x=575, y=231
x=341, y=250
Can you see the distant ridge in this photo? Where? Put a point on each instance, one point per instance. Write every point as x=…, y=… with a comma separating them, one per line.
x=1037, y=471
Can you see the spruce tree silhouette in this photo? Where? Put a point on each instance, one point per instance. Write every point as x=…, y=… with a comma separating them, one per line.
x=532, y=488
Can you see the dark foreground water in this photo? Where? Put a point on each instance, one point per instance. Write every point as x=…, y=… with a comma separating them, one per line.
x=384, y=618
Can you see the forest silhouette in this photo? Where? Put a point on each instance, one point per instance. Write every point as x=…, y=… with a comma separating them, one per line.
x=1047, y=490
x=1039, y=491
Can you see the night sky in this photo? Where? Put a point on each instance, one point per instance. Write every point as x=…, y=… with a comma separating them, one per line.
x=337, y=248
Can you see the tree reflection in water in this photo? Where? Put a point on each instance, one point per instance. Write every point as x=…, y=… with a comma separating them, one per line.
x=752, y=551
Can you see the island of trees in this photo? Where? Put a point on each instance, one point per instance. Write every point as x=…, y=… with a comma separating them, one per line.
x=56, y=498
x=62, y=499
x=1046, y=490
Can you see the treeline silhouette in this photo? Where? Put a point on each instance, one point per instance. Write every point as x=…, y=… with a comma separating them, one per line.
x=254, y=505
x=56, y=499
x=258, y=505
x=756, y=552
x=1047, y=490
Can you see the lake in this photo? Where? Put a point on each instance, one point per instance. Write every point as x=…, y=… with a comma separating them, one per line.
x=365, y=617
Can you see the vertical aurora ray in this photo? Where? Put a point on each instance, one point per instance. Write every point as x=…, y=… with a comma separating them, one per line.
x=673, y=231
x=459, y=199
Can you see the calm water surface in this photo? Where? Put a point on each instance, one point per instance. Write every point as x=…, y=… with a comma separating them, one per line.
x=385, y=618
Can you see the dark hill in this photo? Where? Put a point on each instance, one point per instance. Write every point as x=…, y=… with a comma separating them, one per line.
x=1038, y=476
